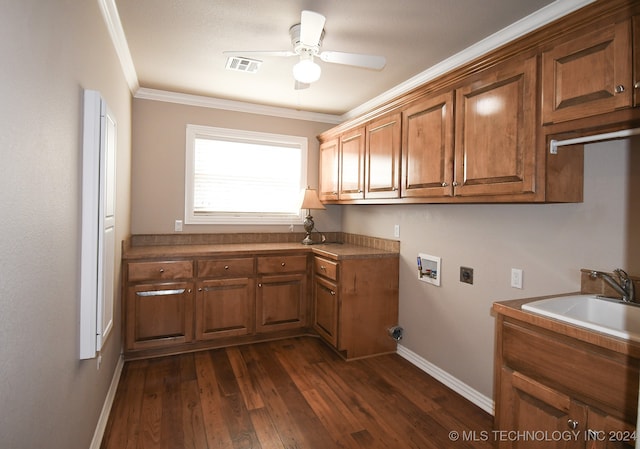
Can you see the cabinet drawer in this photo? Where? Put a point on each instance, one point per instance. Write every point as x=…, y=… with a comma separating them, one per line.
x=161, y=270
x=282, y=264
x=325, y=268
x=238, y=267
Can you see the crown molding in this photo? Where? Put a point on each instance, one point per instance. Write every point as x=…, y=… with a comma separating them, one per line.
x=542, y=17
x=237, y=106
x=111, y=18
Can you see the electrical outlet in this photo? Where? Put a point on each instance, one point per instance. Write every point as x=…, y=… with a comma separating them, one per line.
x=466, y=275
x=516, y=278
x=396, y=231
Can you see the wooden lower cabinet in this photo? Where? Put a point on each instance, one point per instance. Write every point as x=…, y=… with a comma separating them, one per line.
x=326, y=306
x=281, y=302
x=171, y=306
x=159, y=315
x=557, y=392
x=225, y=308
x=355, y=304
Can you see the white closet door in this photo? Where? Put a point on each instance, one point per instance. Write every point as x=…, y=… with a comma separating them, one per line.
x=98, y=225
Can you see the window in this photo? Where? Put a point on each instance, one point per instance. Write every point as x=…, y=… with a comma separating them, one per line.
x=243, y=177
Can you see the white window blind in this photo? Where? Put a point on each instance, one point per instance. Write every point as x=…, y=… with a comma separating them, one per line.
x=236, y=176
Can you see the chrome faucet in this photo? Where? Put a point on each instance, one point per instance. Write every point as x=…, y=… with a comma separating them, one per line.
x=624, y=285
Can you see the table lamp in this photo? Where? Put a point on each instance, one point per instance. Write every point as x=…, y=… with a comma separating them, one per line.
x=310, y=201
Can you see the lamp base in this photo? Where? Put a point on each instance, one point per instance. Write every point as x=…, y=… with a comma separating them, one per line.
x=307, y=240
x=308, y=227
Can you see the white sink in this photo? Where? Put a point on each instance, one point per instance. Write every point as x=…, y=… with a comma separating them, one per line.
x=611, y=317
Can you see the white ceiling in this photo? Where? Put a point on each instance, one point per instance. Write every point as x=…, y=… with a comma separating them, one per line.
x=177, y=45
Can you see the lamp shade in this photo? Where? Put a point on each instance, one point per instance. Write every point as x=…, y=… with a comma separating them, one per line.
x=311, y=200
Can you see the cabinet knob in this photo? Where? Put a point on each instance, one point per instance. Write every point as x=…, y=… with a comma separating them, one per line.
x=455, y=184
x=573, y=424
x=637, y=85
x=323, y=268
x=332, y=293
x=161, y=270
x=259, y=285
x=619, y=89
x=189, y=290
x=283, y=264
x=444, y=184
x=226, y=267
x=200, y=289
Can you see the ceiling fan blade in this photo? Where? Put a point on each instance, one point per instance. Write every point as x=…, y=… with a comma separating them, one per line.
x=299, y=86
x=285, y=53
x=354, y=59
x=311, y=25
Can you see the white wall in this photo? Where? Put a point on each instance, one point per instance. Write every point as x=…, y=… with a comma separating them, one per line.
x=51, y=50
x=452, y=326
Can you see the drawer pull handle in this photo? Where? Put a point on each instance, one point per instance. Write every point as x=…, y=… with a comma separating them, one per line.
x=226, y=267
x=161, y=270
x=177, y=291
x=573, y=424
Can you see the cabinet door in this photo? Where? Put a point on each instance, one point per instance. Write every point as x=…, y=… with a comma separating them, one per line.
x=326, y=308
x=427, y=147
x=224, y=307
x=382, y=164
x=352, y=165
x=529, y=406
x=329, y=170
x=588, y=75
x=607, y=432
x=281, y=302
x=159, y=315
x=495, y=132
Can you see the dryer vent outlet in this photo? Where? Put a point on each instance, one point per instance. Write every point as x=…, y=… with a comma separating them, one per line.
x=396, y=332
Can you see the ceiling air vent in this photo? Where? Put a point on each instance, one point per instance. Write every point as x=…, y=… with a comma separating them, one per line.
x=243, y=64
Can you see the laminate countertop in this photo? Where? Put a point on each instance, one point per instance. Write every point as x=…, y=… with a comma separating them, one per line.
x=334, y=251
x=513, y=309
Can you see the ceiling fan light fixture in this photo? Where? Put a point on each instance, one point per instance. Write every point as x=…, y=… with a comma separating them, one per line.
x=306, y=71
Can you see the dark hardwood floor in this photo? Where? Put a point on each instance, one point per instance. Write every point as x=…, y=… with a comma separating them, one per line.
x=293, y=393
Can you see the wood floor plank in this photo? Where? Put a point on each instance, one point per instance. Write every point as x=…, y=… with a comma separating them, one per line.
x=195, y=436
x=217, y=433
x=151, y=416
x=287, y=394
x=266, y=431
x=250, y=394
x=124, y=420
x=234, y=412
x=171, y=428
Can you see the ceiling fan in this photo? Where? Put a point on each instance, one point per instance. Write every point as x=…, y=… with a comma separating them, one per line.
x=306, y=39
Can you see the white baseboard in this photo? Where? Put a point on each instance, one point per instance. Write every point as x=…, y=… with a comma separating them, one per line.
x=106, y=407
x=464, y=390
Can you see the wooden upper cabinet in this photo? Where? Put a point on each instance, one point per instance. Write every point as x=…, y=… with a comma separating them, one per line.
x=588, y=75
x=427, y=147
x=329, y=170
x=351, y=170
x=382, y=157
x=495, y=151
